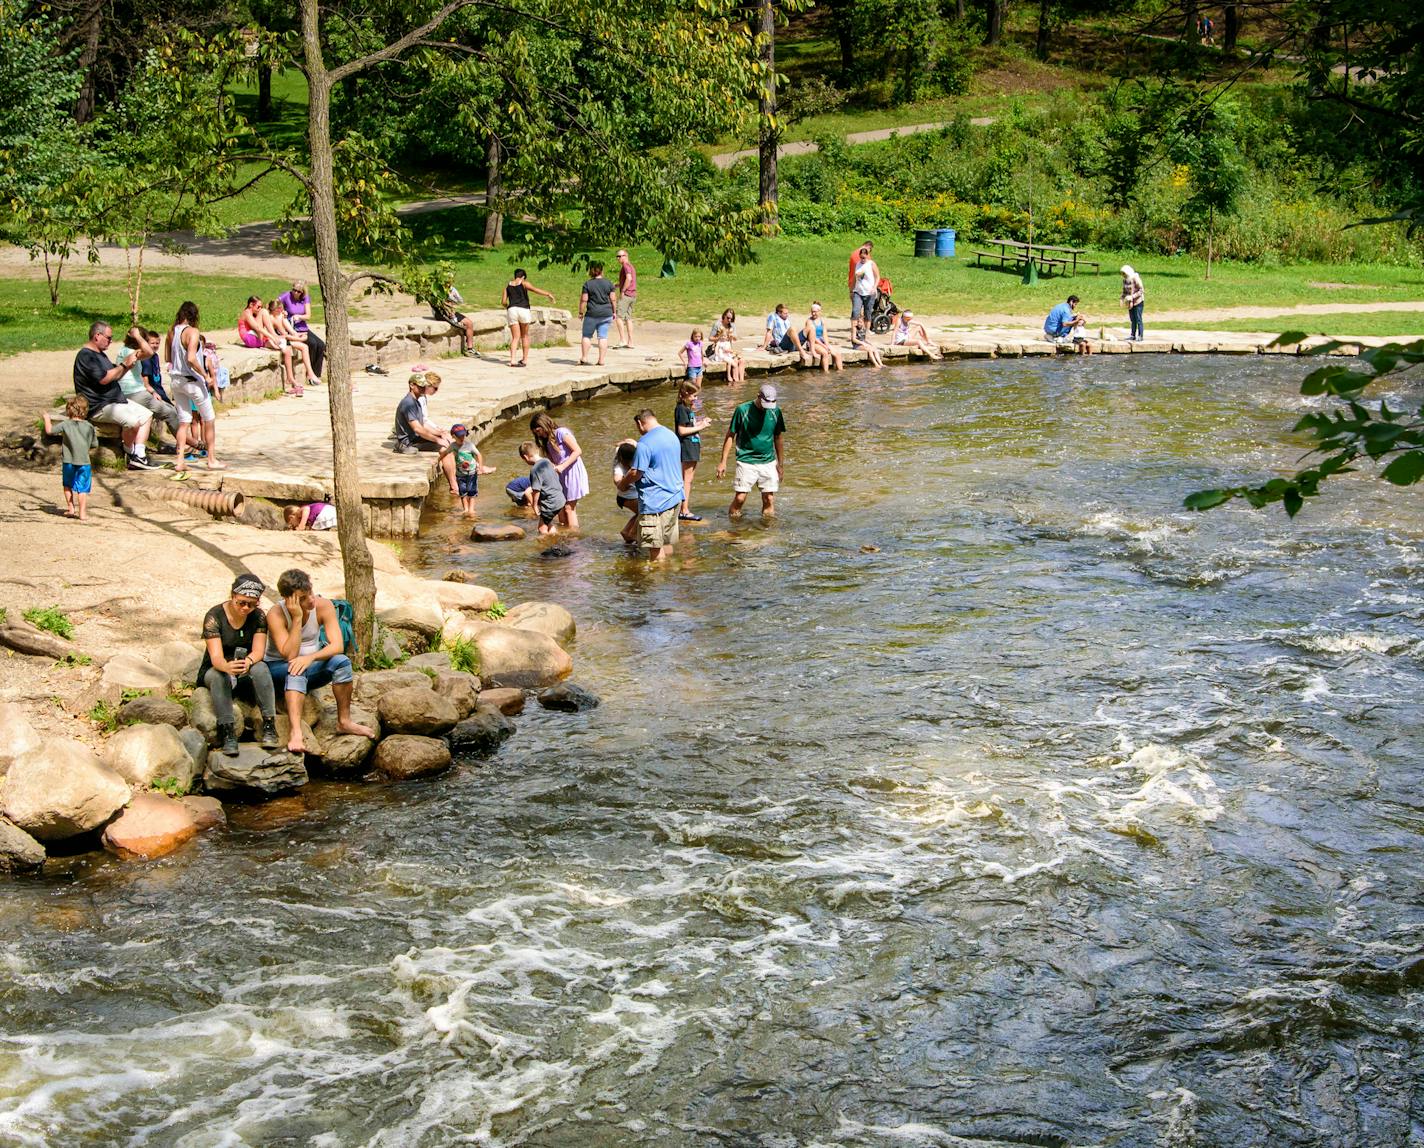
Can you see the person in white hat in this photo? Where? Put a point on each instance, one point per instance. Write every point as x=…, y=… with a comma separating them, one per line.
x=910, y=332
x=756, y=429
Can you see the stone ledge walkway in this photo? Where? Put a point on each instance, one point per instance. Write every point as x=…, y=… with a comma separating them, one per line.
x=282, y=448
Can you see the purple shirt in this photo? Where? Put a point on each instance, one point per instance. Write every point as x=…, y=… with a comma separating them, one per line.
x=296, y=309
x=694, y=355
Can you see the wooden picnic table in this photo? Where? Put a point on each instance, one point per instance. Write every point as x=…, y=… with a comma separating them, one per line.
x=1044, y=254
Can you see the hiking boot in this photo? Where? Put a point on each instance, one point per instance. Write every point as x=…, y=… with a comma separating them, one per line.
x=269, y=738
x=227, y=735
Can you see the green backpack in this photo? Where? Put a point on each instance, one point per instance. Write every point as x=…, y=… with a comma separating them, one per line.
x=346, y=619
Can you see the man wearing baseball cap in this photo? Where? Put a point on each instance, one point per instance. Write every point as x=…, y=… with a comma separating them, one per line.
x=756, y=429
x=624, y=296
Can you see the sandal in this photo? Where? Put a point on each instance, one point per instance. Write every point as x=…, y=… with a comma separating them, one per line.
x=178, y=476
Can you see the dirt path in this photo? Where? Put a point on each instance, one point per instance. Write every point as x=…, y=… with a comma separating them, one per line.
x=725, y=160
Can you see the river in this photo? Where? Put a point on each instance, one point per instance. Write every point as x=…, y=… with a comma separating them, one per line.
x=984, y=798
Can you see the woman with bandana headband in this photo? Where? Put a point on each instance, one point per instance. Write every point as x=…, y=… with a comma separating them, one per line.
x=235, y=640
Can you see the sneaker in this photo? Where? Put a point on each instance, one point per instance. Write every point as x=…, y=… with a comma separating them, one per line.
x=471, y=353
x=376, y=369
x=269, y=738
x=136, y=463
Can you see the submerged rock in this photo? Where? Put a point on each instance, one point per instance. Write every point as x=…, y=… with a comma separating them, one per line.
x=480, y=734
x=19, y=852
x=151, y=826
x=254, y=771
x=406, y=756
x=207, y=812
x=507, y=701
x=496, y=532
x=61, y=790
x=568, y=698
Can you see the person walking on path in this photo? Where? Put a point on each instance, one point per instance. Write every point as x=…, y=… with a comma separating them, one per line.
x=657, y=475
x=192, y=380
x=305, y=651
x=756, y=429
x=1133, y=298
x=234, y=645
x=626, y=297
x=596, y=311
x=296, y=302
x=562, y=449
x=518, y=314
x=689, y=423
x=96, y=381
x=76, y=470
x=862, y=295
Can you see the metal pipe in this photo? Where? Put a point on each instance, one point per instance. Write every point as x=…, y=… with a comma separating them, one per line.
x=219, y=503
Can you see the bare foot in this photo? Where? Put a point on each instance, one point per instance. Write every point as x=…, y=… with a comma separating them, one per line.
x=349, y=726
x=212, y=465
x=70, y=514
x=295, y=744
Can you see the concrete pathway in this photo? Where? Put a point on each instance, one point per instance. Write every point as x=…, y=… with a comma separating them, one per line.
x=725, y=160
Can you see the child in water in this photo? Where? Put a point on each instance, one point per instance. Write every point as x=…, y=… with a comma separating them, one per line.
x=622, y=464
x=546, y=492
x=469, y=465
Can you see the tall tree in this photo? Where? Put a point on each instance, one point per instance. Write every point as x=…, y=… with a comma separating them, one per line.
x=994, y=20
x=769, y=127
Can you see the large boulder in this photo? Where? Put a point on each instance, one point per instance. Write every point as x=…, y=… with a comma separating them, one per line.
x=461, y=688
x=464, y=596
x=543, y=618
x=344, y=753
x=481, y=733
x=196, y=745
x=61, y=790
x=312, y=742
x=131, y=672
x=143, y=754
x=207, y=812
x=510, y=656
x=26, y=639
x=180, y=660
x=203, y=718
x=405, y=756
x=507, y=701
x=254, y=772
x=568, y=698
x=153, y=711
x=19, y=852
x=432, y=660
x=371, y=687
x=151, y=826
x=17, y=735
x=421, y=615
x=416, y=710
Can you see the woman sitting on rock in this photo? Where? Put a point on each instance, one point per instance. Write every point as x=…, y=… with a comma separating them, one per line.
x=234, y=644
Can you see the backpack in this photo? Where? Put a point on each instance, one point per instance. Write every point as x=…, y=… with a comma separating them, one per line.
x=346, y=619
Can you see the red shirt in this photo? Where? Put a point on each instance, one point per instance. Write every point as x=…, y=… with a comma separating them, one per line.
x=854, y=263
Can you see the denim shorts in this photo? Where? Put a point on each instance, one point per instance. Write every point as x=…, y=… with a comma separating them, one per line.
x=596, y=328
x=468, y=485
x=76, y=478
x=861, y=306
x=694, y=372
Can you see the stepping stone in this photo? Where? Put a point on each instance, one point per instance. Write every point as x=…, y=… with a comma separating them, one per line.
x=494, y=533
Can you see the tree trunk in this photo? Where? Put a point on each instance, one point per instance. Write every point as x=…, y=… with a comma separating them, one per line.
x=1189, y=22
x=53, y=272
x=346, y=478
x=1041, y=44
x=843, y=23
x=264, y=93
x=494, y=196
x=959, y=9
x=88, y=57
x=1231, y=27
x=994, y=28
x=769, y=140
x=1210, y=236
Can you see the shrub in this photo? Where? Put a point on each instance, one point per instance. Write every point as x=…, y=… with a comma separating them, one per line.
x=51, y=618
x=496, y=612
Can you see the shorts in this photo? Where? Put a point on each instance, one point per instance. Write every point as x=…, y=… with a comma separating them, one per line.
x=626, y=502
x=596, y=328
x=547, y=518
x=655, y=530
x=468, y=485
x=750, y=474
x=190, y=395
x=251, y=339
x=787, y=343
x=416, y=446
x=695, y=372
x=519, y=315
x=691, y=448
x=861, y=306
x=77, y=478
x=336, y=668
x=126, y=414
x=625, y=307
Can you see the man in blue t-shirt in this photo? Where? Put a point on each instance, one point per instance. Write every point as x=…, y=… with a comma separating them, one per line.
x=1065, y=325
x=657, y=475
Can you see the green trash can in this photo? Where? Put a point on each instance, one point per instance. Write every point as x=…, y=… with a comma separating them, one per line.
x=925, y=244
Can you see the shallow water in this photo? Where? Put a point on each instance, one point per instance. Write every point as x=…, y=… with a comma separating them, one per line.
x=1059, y=817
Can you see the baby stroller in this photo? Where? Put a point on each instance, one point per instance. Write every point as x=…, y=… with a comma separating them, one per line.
x=883, y=311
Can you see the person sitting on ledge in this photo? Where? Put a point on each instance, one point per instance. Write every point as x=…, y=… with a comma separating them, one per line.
x=1065, y=326
x=445, y=311
x=414, y=432
x=910, y=332
x=234, y=644
x=307, y=652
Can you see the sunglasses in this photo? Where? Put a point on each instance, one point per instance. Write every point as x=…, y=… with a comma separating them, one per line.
x=245, y=603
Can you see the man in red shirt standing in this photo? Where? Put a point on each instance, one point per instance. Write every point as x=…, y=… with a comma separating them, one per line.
x=624, y=297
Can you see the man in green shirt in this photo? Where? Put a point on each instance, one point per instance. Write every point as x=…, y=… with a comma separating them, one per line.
x=756, y=428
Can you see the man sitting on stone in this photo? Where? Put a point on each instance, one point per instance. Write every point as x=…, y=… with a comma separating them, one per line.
x=305, y=652
x=414, y=432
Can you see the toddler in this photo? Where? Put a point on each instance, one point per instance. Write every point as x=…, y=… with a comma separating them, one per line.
x=469, y=465
x=80, y=438
x=311, y=516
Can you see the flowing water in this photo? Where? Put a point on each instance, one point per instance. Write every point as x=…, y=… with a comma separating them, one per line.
x=984, y=798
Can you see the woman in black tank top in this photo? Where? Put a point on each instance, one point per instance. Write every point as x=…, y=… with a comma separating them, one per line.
x=516, y=307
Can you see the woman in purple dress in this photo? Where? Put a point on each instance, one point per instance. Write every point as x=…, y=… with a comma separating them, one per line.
x=562, y=449
x=297, y=304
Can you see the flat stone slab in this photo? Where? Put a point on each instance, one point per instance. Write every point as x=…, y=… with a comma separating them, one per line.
x=490, y=532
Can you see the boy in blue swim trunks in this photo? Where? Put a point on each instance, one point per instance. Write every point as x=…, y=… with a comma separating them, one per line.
x=80, y=438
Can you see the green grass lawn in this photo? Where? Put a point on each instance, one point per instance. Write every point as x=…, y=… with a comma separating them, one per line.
x=1383, y=324
x=29, y=323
